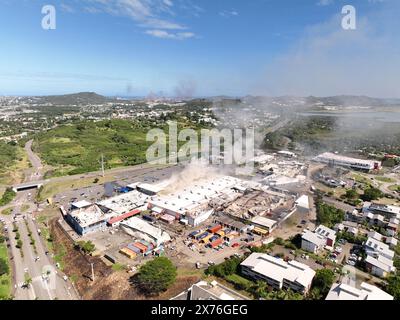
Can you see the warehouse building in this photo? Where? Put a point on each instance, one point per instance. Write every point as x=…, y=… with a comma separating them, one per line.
x=278, y=273
x=86, y=218
x=140, y=229
x=333, y=159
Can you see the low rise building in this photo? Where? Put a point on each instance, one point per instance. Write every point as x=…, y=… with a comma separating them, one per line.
x=278, y=273
x=322, y=237
x=209, y=291
x=342, y=291
x=333, y=159
x=312, y=242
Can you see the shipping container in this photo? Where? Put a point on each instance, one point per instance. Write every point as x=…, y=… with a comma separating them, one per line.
x=133, y=248
x=216, y=243
x=202, y=236
x=127, y=252
x=215, y=228
x=148, y=218
x=194, y=234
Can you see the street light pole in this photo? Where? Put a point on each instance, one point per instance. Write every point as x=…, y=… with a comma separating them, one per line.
x=92, y=271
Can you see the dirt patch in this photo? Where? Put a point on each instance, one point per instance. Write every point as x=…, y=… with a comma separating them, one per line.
x=108, y=284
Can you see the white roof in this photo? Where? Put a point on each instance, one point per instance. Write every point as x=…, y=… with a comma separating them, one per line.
x=265, y=222
x=89, y=215
x=381, y=263
x=375, y=235
x=379, y=247
x=328, y=156
x=278, y=269
x=344, y=291
x=303, y=202
x=156, y=188
x=314, y=238
x=81, y=204
x=125, y=202
x=325, y=232
x=194, y=195
x=139, y=225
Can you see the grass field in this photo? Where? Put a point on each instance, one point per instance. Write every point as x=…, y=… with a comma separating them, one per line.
x=55, y=187
x=385, y=179
x=78, y=148
x=13, y=161
x=5, y=280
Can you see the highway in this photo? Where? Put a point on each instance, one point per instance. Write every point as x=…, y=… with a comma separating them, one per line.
x=47, y=282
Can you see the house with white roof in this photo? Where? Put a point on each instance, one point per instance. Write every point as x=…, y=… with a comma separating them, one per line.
x=320, y=238
x=278, y=273
x=312, y=242
x=379, y=266
x=342, y=291
x=375, y=247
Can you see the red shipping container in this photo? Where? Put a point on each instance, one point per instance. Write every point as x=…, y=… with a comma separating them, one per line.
x=215, y=229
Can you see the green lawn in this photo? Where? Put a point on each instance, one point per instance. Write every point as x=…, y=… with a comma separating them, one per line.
x=385, y=179
x=5, y=280
x=7, y=212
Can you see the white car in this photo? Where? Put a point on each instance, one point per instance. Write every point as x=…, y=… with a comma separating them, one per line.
x=351, y=262
x=339, y=249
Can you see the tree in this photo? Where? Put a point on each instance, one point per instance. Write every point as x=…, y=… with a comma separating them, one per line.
x=393, y=286
x=86, y=246
x=322, y=283
x=371, y=193
x=351, y=194
x=156, y=275
x=4, y=268
x=328, y=215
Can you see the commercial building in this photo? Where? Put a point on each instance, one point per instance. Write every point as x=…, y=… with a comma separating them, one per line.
x=123, y=203
x=139, y=228
x=303, y=204
x=333, y=159
x=86, y=218
x=264, y=223
x=278, y=273
x=342, y=291
x=188, y=200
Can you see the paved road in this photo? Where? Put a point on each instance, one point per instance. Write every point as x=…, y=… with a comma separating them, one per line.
x=47, y=281
x=25, y=265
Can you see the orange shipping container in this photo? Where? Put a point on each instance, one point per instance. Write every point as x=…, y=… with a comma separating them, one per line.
x=215, y=228
x=216, y=243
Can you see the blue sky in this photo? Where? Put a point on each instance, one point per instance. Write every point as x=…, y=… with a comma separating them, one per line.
x=203, y=47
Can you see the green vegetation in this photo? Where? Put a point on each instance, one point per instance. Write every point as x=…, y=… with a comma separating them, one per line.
x=321, y=284
x=7, y=211
x=7, y=197
x=393, y=286
x=372, y=193
x=304, y=130
x=351, y=194
x=118, y=267
x=8, y=156
x=86, y=247
x=351, y=238
x=385, y=179
x=156, y=276
x=77, y=148
x=328, y=215
x=226, y=268
x=5, y=272
x=395, y=187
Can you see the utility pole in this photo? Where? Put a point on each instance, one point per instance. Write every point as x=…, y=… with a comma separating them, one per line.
x=102, y=165
x=92, y=271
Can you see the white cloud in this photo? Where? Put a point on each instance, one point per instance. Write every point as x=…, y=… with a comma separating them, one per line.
x=328, y=60
x=154, y=14
x=229, y=13
x=170, y=35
